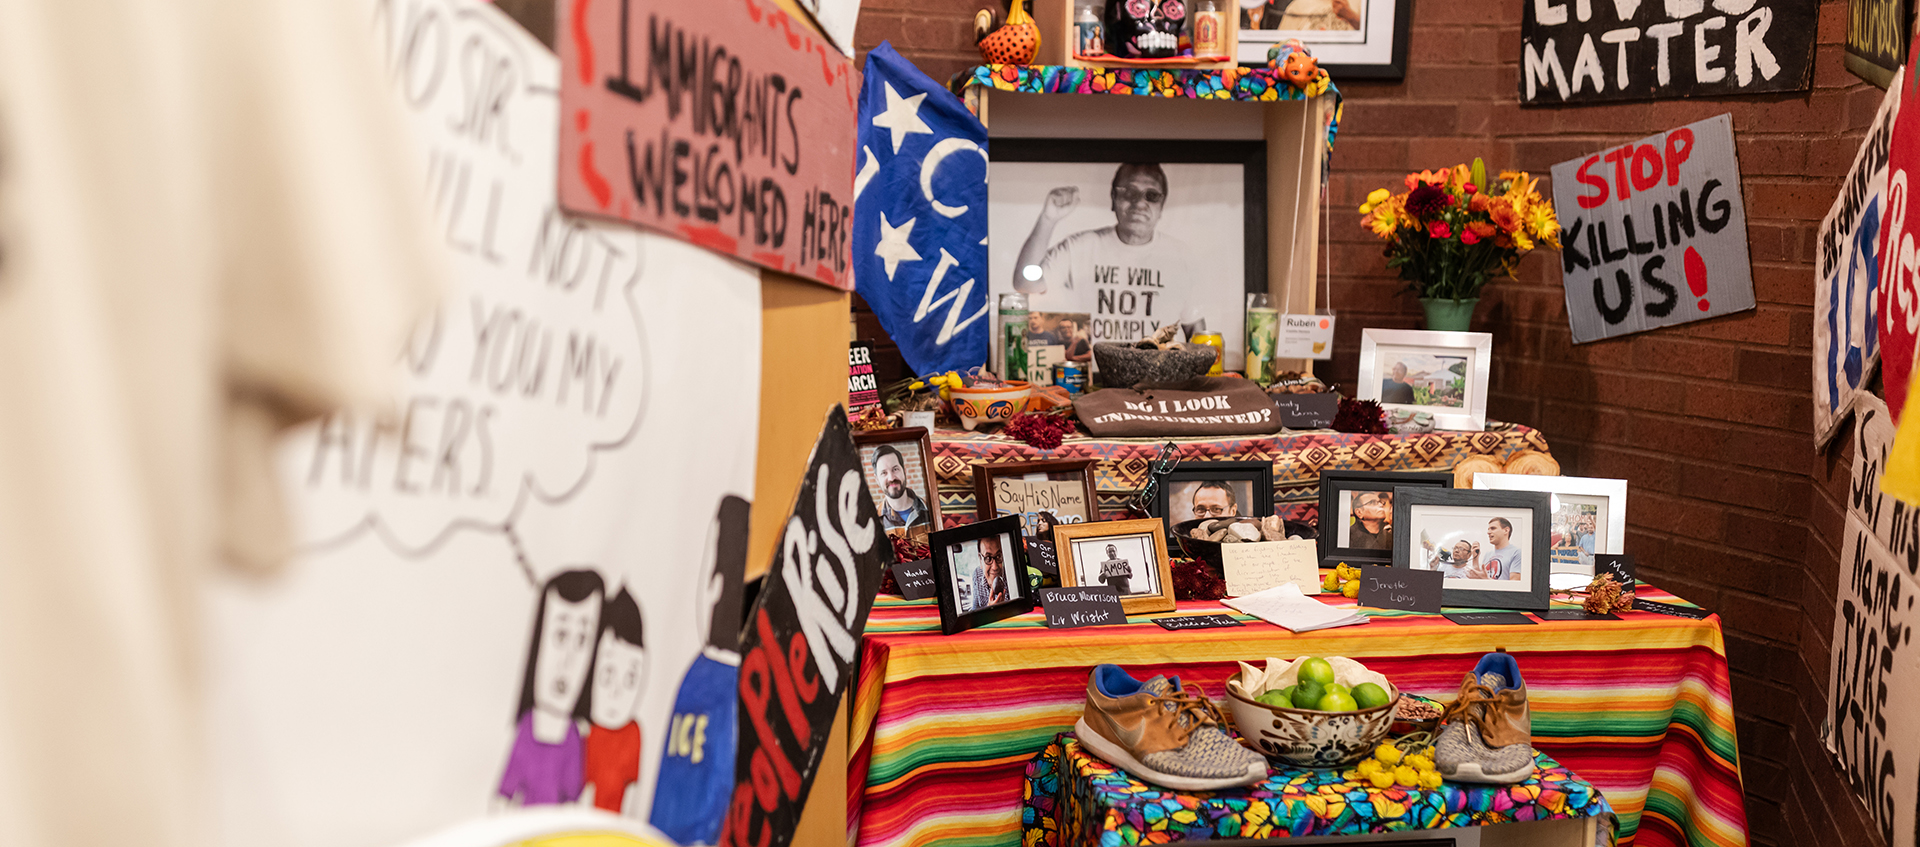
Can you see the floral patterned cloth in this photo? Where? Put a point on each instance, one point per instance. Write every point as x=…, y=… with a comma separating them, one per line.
x=1104, y=805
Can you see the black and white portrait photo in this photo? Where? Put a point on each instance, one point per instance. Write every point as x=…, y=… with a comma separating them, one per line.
x=1125, y=562
x=1134, y=245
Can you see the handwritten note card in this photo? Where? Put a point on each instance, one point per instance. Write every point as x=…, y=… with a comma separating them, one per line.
x=1260, y=565
x=1400, y=588
x=1086, y=605
x=915, y=579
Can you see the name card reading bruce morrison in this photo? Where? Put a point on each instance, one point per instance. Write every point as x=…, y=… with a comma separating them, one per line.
x=1260, y=565
x=1086, y=605
x=1400, y=588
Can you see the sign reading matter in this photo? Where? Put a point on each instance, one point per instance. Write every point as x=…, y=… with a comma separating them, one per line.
x=802, y=638
x=1594, y=51
x=722, y=122
x=1653, y=233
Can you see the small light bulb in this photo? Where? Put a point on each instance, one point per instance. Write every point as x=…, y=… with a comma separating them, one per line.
x=1030, y=273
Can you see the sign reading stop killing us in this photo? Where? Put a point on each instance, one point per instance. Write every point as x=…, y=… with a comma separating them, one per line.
x=725, y=123
x=1653, y=233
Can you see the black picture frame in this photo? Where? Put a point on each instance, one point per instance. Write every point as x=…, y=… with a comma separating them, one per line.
x=1260, y=474
x=1410, y=501
x=1019, y=577
x=1395, y=68
x=1334, y=483
x=1250, y=155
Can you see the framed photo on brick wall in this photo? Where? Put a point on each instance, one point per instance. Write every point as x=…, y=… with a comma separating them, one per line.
x=1353, y=39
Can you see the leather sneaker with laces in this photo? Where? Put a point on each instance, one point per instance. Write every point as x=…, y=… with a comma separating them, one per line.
x=1163, y=733
x=1486, y=734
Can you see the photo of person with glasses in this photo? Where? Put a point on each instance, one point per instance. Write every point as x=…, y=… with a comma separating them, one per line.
x=1129, y=275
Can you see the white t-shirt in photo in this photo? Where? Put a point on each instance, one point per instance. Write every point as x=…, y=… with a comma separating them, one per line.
x=1129, y=290
x=1505, y=561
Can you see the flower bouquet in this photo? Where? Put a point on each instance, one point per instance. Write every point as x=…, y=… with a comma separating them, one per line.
x=1454, y=228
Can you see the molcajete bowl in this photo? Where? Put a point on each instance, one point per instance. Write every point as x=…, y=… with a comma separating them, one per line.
x=996, y=405
x=1124, y=365
x=1309, y=738
x=1209, y=551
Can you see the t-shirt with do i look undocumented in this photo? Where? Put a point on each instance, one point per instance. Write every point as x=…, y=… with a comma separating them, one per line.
x=1124, y=287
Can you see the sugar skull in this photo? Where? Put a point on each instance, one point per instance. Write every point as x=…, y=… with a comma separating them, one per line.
x=1145, y=29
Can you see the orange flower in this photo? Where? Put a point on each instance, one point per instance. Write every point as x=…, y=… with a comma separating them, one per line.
x=1478, y=203
x=1434, y=178
x=1504, y=216
x=1481, y=229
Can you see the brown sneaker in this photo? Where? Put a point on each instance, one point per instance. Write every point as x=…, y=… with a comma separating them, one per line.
x=1162, y=733
x=1488, y=731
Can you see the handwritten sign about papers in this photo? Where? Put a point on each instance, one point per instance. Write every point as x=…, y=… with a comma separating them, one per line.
x=1086, y=605
x=724, y=122
x=1401, y=588
x=1654, y=232
x=1260, y=565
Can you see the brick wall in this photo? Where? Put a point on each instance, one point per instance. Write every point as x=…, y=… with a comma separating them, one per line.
x=1711, y=422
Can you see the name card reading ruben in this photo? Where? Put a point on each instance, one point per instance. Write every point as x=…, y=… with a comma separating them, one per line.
x=1490, y=619
x=1400, y=588
x=1306, y=411
x=1260, y=565
x=1173, y=622
x=1084, y=605
x=915, y=579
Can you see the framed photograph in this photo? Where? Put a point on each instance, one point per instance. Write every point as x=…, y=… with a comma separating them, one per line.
x=1353, y=39
x=898, y=464
x=1589, y=517
x=1134, y=234
x=1356, y=512
x=1044, y=493
x=1195, y=490
x=980, y=572
x=1131, y=556
x=1490, y=545
x=1441, y=373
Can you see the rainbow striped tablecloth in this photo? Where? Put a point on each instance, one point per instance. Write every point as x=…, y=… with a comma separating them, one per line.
x=943, y=726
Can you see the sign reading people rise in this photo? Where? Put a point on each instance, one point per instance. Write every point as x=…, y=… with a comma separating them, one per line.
x=722, y=122
x=1594, y=51
x=1654, y=232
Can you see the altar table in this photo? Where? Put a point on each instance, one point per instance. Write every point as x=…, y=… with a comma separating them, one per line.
x=942, y=727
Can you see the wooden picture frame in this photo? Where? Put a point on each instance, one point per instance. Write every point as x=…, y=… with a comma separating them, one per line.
x=989, y=490
x=958, y=559
x=905, y=442
x=1336, y=506
x=1254, y=500
x=1447, y=518
x=1143, y=537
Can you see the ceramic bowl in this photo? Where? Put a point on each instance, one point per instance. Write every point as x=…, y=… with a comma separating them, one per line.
x=1308, y=738
x=1124, y=365
x=977, y=406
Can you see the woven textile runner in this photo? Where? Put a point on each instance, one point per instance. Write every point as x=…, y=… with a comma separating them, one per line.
x=1105, y=805
x=942, y=727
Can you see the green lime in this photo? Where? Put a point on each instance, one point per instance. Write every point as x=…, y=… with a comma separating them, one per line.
x=1317, y=669
x=1277, y=697
x=1369, y=695
x=1331, y=687
x=1307, y=695
x=1337, y=701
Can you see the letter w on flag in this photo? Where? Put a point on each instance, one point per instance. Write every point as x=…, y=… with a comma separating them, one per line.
x=920, y=216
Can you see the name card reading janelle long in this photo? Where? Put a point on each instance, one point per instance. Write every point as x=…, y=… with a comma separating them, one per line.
x=1401, y=588
x=1086, y=605
x=723, y=122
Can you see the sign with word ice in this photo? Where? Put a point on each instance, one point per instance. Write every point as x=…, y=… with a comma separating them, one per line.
x=725, y=123
x=1595, y=51
x=1846, y=287
x=1653, y=232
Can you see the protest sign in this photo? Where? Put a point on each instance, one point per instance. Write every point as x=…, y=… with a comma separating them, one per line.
x=1876, y=39
x=1847, y=256
x=1657, y=51
x=1645, y=220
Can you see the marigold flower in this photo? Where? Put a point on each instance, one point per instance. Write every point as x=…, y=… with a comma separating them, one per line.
x=1478, y=203
x=1503, y=214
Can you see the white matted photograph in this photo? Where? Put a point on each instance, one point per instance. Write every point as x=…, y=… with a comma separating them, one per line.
x=1589, y=518
x=981, y=578
x=1441, y=373
x=1130, y=240
x=1483, y=545
x=1124, y=562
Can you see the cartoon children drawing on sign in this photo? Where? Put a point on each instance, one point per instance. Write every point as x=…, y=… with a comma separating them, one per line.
x=696, y=771
x=545, y=764
x=619, y=676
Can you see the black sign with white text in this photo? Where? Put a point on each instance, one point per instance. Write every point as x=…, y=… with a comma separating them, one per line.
x=1576, y=51
x=1490, y=619
x=1401, y=588
x=1085, y=605
x=1175, y=622
x=1307, y=411
x=915, y=579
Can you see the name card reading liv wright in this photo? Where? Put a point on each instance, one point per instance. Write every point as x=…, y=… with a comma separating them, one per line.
x=1086, y=605
x=724, y=122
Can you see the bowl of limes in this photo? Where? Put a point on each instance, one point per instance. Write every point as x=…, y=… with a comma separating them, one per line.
x=1317, y=712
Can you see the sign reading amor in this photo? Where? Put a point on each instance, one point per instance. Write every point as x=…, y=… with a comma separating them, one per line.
x=1653, y=233
x=1593, y=51
x=722, y=122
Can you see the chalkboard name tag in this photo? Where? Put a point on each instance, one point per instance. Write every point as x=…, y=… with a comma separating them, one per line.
x=1489, y=618
x=1173, y=622
x=1670, y=609
x=1084, y=605
x=1575, y=615
x=1620, y=566
x=1042, y=556
x=1400, y=588
x=1306, y=411
x=915, y=579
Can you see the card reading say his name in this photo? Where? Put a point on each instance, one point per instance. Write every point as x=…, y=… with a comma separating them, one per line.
x=1083, y=605
x=915, y=579
x=1176, y=622
x=1401, y=588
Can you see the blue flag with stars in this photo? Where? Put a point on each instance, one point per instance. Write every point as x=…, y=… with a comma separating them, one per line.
x=920, y=216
